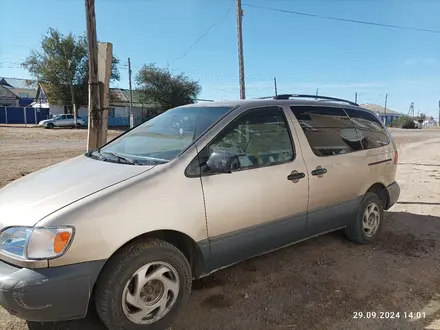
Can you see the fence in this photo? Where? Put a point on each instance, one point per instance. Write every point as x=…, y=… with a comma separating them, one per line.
x=120, y=121
x=22, y=115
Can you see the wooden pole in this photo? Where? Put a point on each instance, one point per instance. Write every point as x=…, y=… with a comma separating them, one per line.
x=131, y=94
x=240, y=50
x=95, y=119
x=105, y=56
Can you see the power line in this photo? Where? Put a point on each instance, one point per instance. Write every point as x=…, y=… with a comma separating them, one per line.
x=205, y=34
x=342, y=19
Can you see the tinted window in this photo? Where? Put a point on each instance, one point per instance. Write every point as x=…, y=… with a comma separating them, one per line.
x=259, y=138
x=372, y=131
x=328, y=130
x=69, y=116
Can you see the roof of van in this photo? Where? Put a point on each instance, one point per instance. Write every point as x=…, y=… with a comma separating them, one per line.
x=260, y=102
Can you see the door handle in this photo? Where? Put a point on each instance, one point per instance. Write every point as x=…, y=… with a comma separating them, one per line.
x=295, y=176
x=319, y=172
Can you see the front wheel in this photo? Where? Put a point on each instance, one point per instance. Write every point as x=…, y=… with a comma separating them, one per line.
x=50, y=126
x=368, y=224
x=143, y=287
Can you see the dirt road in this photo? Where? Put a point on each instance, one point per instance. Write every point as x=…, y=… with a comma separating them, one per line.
x=317, y=284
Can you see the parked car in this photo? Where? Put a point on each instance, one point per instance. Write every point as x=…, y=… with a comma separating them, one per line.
x=193, y=190
x=62, y=121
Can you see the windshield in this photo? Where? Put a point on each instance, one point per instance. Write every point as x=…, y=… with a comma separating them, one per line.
x=165, y=136
x=56, y=117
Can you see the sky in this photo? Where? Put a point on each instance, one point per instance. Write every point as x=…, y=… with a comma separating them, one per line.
x=304, y=53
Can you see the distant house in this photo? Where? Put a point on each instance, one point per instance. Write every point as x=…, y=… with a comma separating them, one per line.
x=386, y=116
x=430, y=122
x=25, y=90
x=119, y=108
x=7, y=98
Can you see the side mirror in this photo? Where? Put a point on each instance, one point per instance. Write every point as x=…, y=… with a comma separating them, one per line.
x=222, y=162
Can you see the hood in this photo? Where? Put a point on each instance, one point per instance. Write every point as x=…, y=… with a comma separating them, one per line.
x=45, y=121
x=29, y=199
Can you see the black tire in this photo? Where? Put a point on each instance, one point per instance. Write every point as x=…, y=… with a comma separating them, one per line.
x=78, y=125
x=120, y=269
x=50, y=126
x=355, y=231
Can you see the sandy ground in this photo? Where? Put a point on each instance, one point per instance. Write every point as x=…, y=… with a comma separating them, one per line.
x=318, y=284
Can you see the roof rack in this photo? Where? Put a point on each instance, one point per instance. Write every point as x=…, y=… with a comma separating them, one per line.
x=288, y=96
x=263, y=98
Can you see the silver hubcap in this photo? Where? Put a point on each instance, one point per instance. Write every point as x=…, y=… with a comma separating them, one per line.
x=371, y=219
x=150, y=293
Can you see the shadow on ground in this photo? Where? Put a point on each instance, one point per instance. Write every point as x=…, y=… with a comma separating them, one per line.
x=320, y=284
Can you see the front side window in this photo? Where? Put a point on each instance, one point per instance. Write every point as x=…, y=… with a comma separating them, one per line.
x=258, y=138
x=328, y=130
x=372, y=131
x=163, y=137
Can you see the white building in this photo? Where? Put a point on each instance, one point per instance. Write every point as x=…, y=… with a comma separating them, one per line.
x=431, y=122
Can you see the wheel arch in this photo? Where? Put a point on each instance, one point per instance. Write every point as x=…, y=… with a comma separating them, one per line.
x=380, y=190
x=181, y=241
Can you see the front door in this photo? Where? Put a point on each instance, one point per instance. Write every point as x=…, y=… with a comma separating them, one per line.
x=262, y=204
x=336, y=163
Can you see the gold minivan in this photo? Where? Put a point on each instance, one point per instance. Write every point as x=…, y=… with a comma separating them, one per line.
x=196, y=189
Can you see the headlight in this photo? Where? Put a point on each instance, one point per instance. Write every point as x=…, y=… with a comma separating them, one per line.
x=30, y=243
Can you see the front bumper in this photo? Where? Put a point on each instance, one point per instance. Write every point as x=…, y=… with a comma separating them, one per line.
x=48, y=294
x=393, y=194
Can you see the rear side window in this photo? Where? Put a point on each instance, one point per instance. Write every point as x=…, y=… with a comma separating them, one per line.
x=372, y=131
x=328, y=130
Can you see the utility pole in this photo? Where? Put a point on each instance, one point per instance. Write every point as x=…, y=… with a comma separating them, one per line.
x=72, y=92
x=438, y=122
x=386, y=99
x=240, y=49
x=105, y=52
x=275, y=85
x=94, y=95
x=99, y=81
x=411, y=111
x=131, y=94
x=317, y=91
x=356, y=97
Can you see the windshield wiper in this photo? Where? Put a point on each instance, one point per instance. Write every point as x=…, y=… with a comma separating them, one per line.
x=95, y=154
x=119, y=157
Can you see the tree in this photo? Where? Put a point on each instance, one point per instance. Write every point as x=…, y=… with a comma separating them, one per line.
x=403, y=122
x=165, y=90
x=62, y=66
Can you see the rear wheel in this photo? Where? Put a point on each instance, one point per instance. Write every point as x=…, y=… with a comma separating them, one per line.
x=368, y=225
x=143, y=287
